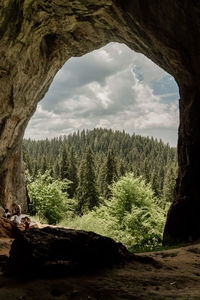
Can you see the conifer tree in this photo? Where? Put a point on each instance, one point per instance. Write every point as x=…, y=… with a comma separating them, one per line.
x=64, y=164
x=121, y=168
x=108, y=174
x=169, y=184
x=87, y=195
x=43, y=166
x=56, y=170
x=72, y=172
x=155, y=183
x=147, y=171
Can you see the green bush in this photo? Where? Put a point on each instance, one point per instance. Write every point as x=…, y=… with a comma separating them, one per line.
x=47, y=199
x=101, y=222
x=134, y=205
x=129, y=192
x=131, y=216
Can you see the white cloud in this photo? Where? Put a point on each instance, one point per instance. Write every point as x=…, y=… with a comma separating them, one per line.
x=112, y=87
x=148, y=69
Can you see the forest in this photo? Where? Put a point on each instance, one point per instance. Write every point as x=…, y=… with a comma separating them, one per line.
x=110, y=182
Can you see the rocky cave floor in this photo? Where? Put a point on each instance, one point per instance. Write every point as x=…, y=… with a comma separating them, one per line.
x=171, y=274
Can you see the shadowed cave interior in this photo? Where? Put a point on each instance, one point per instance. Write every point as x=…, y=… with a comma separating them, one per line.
x=34, y=49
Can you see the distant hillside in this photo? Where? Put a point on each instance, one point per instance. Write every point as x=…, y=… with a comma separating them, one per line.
x=154, y=160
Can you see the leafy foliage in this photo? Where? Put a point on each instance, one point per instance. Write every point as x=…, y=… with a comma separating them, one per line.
x=47, y=199
x=129, y=191
x=131, y=216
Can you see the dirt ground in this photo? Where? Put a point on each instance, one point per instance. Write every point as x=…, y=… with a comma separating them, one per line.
x=175, y=274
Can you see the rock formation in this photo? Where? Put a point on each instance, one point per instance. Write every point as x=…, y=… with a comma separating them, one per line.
x=60, y=251
x=38, y=36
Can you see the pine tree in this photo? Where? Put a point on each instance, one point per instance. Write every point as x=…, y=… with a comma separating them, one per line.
x=72, y=172
x=87, y=195
x=121, y=168
x=56, y=170
x=169, y=184
x=43, y=166
x=64, y=164
x=108, y=174
x=155, y=183
x=147, y=171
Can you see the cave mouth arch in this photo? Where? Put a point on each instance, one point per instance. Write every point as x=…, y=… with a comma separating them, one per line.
x=80, y=85
x=37, y=38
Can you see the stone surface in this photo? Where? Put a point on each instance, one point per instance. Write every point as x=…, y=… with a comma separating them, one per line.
x=168, y=274
x=12, y=182
x=58, y=251
x=38, y=36
x=183, y=222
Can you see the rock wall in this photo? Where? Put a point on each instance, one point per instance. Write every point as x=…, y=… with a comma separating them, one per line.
x=183, y=222
x=38, y=36
x=13, y=182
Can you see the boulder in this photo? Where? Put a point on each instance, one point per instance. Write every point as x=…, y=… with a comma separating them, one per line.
x=58, y=251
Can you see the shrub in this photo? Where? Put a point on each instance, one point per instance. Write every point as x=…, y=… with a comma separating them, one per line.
x=47, y=199
x=134, y=205
x=131, y=217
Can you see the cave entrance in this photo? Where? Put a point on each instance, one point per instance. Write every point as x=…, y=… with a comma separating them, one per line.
x=116, y=88
x=40, y=37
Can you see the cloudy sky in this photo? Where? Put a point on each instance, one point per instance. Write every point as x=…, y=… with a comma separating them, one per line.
x=113, y=87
